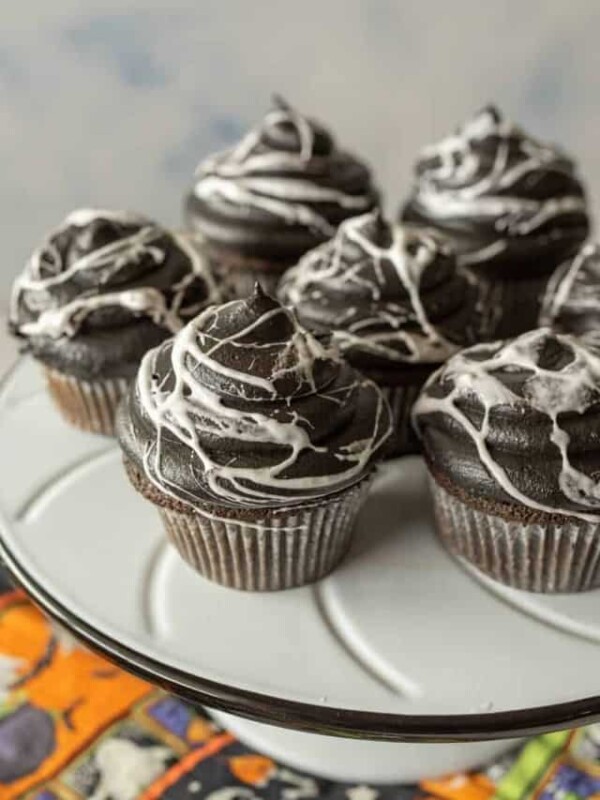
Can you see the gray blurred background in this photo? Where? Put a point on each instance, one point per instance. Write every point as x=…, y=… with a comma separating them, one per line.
x=113, y=103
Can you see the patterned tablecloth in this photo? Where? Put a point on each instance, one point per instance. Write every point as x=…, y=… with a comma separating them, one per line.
x=74, y=726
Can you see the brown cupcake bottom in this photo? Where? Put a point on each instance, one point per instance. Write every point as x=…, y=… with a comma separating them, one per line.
x=403, y=440
x=88, y=405
x=511, y=307
x=259, y=549
x=401, y=387
x=237, y=275
x=538, y=552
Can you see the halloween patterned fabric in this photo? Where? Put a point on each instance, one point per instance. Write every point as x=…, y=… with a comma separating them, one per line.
x=75, y=727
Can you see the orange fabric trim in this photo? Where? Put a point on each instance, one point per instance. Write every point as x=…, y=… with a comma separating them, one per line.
x=460, y=787
x=252, y=769
x=179, y=770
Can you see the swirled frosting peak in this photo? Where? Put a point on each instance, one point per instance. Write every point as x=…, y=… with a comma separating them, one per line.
x=572, y=300
x=103, y=269
x=388, y=294
x=245, y=407
x=519, y=422
x=283, y=189
x=495, y=189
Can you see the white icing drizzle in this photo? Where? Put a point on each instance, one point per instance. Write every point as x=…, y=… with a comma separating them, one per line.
x=80, y=217
x=572, y=389
x=394, y=321
x=187, y=410
x=455, y=188
x=559, y=291
x=105, y=263
x=247, y=176
x=66, y=320
x=486, y=253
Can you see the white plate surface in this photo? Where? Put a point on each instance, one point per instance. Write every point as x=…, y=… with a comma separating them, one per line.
x=399, y=628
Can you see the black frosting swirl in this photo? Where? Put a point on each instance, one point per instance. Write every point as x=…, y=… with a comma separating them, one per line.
x=508, y=202
x=246, y=408
x=103, y=288
x=284, y=189
x=518, y=422
x=390, y=296
x=572, y=300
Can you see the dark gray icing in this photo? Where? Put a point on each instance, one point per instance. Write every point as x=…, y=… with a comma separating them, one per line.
x=572, y=300
x=104, y=288
x=246, y=408
x=391, y=296
x=511, y=205
x=518, y=422
x=282, y=190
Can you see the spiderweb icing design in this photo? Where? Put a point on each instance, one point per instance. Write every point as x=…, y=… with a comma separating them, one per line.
x=537, y=388
x=390, y=293
x=105, y=267
x=286, y=168
x=245, y=407
x=493, y=180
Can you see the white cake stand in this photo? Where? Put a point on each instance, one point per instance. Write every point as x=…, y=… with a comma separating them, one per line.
x=401, y=664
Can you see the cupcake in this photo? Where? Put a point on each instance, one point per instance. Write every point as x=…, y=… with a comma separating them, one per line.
x=511, y=433
x=394, y=303
x=572, y=300
x=283, y=190
x=105, y=287
x=513, y=208
x=256, y=442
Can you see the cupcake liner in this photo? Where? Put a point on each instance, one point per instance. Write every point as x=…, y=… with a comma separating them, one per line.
x=548, y=556
x=403, y=440
x=510, y=307
x=288, y=547
x=88, y=405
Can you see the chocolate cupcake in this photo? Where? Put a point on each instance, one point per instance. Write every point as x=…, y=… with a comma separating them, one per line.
x=105, y=287
x=513, y=208
x=394, y=303
x=257, y=443
x=511, y=434
x=572, y=300
x=284, y=189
